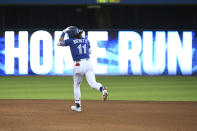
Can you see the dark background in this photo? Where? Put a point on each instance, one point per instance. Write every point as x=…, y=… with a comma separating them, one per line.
x=99, y=16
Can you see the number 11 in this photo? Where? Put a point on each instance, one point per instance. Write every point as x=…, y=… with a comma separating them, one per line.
x=80, y=49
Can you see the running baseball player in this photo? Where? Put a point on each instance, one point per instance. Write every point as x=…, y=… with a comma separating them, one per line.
x=80, y=50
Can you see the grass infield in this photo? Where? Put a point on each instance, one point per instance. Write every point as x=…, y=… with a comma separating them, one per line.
x=142, y=88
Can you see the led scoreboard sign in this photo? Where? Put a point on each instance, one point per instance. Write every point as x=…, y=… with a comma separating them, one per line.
x=126, y=53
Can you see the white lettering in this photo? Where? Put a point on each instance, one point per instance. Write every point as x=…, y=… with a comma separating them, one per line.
x=154, y=58
x=63, y=59
x=11, y=52
x=41, y=65
x=94, y=37
x=181, y=52
x=126, y=54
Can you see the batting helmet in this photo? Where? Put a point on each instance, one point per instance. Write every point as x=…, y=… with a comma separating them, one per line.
x=73, y=31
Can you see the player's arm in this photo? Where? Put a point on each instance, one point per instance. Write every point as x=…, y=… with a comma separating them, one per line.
x=61, y=40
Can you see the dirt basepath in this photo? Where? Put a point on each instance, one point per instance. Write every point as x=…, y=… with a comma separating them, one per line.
x=55, y=115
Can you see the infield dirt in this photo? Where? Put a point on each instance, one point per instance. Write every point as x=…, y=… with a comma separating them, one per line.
x=55, y=115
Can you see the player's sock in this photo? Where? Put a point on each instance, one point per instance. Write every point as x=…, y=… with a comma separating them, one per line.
x=101, y=89
x=77, y=105
x=77, y=102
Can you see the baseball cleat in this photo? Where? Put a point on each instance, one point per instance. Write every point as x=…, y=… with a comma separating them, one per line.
x=74, y=108
x=105, y=93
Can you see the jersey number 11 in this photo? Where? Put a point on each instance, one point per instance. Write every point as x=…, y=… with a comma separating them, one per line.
x=80, y=48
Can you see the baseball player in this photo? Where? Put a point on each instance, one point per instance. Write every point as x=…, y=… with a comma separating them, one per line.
x=80, y=50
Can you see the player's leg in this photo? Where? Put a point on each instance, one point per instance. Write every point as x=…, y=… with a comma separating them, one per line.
x=90, y=77
x=77, y=78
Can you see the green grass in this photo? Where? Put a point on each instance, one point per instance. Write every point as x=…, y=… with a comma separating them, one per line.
x=154, y=88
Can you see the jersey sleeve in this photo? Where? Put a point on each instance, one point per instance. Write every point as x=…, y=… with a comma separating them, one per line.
x=88, y=44
x=89, y=48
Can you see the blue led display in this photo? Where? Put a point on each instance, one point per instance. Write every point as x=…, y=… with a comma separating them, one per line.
x=121, y=53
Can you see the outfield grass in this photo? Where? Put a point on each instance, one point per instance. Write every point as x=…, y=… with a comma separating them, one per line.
x=154, y=88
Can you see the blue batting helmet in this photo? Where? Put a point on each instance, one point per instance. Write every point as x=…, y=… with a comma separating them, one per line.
x=73, y=31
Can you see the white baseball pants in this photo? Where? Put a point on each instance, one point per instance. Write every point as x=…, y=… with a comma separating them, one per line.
x=84, y=67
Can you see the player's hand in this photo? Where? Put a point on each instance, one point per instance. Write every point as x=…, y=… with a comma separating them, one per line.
x=60, y=41
x=65, y=30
